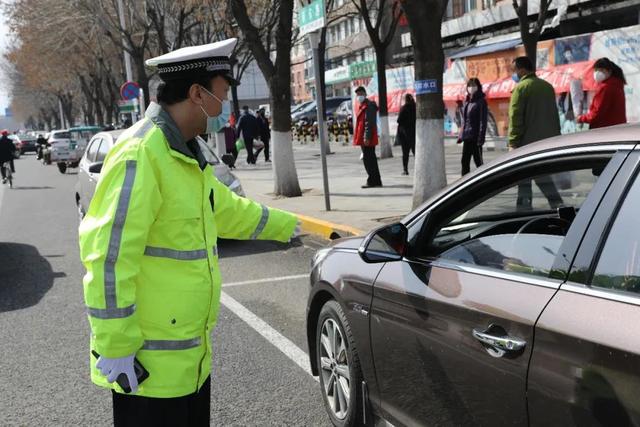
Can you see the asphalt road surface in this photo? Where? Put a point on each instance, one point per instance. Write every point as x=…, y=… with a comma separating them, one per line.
x=260, y=368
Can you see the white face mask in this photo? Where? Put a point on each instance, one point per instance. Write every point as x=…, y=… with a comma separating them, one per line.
x=361, y=98
x=472, y=90
x=600, y=76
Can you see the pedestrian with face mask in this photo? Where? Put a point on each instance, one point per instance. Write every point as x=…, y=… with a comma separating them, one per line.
x=608, y=107
x=149, y=244
x=533, y=116
x=366, y=136
x=475, y=114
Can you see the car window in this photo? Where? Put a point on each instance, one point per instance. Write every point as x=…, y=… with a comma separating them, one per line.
x=103, y=149
x=516, y=227
x=619, y=265
x=93, y=149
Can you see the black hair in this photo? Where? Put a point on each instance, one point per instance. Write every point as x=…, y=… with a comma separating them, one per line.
x=476, y=82
x=174, y=91
x=361, y=89
x=408, y=98
x=245, y=107
x=523, y=63
x=612, y=67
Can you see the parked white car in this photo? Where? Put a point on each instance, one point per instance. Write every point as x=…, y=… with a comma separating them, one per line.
x=97, y=149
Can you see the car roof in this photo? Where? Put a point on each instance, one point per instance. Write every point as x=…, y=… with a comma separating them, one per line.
x=114, y=134
x=622, y=134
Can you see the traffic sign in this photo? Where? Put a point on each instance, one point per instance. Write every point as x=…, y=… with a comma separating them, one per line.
x=311, y=17
x=130, y=90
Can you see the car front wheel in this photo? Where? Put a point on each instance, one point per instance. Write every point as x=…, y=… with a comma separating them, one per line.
x=340, y=374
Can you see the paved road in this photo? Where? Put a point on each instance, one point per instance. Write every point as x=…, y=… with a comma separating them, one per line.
x=44, y=359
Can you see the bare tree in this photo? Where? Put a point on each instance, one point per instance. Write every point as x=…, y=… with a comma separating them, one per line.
x=530, y=31
x=277, y=73
x=425, y=21
x=381, y=20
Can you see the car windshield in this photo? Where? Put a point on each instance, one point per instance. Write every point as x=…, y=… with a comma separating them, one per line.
x=61, y=135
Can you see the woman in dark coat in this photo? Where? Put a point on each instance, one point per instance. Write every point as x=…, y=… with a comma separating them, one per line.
x=474, y=125
x=407, y=130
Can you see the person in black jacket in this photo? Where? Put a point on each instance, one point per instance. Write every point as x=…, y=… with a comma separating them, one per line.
x=7, y=150
x=265, y=133
x=248, y=128
x=475, y=113
x=407, y=130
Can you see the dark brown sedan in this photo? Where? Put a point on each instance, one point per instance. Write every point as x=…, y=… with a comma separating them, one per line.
x=510, y=298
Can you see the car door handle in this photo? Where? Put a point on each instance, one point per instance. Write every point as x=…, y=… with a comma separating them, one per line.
x=501, y=343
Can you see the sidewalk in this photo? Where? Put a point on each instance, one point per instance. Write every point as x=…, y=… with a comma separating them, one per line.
x=354, y=210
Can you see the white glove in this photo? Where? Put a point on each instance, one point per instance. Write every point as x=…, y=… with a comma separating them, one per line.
x=112, y=368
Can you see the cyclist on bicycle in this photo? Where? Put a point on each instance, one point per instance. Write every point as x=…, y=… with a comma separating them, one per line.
x=7, y=150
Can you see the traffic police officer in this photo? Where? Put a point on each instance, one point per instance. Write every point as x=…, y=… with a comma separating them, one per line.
x=148, y=242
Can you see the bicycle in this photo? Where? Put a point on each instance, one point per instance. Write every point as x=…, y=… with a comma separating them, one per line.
x=8, y=173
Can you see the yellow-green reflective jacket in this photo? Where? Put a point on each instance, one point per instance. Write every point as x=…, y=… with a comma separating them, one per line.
x=148, y=242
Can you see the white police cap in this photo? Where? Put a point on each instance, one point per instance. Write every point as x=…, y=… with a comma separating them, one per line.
x=188, y=62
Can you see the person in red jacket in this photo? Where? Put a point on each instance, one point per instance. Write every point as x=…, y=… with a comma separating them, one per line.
x=608, y=107
x=366, y=136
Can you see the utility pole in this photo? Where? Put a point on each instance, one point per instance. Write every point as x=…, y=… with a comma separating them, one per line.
x=127, y=56
x=311, y=18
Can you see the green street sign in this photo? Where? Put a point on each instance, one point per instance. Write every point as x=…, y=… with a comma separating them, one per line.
x=360, y=70
x=311, y=17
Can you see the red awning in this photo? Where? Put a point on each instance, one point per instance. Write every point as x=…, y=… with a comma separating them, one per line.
x=559, y=76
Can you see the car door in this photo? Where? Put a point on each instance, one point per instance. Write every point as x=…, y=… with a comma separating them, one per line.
x=585, y=367
x=452, y=324
x=83, y=171
x=91, y=179
x=101, y=154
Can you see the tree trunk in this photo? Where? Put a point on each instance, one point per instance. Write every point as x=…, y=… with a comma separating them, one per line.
x=143, y=79
x=385, y=140
x=278, y=76
x=425, y=20
x=235, y=101
x=530, y=43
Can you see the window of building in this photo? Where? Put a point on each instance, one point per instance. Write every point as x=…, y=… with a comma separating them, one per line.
x=352, y=26
x=343, y=30
x=356, y=24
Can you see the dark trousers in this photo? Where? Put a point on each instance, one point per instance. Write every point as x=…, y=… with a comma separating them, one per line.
x=3, y=171
x=266, y=149
x=407, y=147
x=371, y=165
x=470, y=149
x=548, y=188
x=192, y=410
x=248, y=145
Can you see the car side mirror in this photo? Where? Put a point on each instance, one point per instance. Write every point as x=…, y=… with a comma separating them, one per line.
x=387, y=243
x=95, y=167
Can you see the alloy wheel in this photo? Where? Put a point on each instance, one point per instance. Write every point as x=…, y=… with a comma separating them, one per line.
x=334, y=367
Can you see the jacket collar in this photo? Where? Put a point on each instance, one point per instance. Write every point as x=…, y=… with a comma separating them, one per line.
x=161, y=118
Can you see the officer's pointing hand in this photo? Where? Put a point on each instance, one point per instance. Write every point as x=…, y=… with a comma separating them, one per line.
x=297, y=232
x=112, y=368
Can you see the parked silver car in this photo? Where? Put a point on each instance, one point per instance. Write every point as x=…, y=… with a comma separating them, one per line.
x=99, y=146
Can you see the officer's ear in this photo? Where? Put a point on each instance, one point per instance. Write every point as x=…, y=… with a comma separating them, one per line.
x=196, y=94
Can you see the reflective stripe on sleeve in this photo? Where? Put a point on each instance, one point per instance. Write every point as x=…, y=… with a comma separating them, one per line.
x=263, y=222
x=174, y=254
x=116, y=236
x=144, y=128
x=215, y=251
x=171, y=344
x=111, y=313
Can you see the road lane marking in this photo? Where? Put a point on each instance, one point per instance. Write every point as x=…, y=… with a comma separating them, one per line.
x=279, y=341
x=267, y=280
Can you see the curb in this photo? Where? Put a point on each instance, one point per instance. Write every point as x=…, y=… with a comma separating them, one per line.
x=325, y=229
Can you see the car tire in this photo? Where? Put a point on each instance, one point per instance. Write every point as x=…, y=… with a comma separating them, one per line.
x=331, y=367
x=62, y=167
